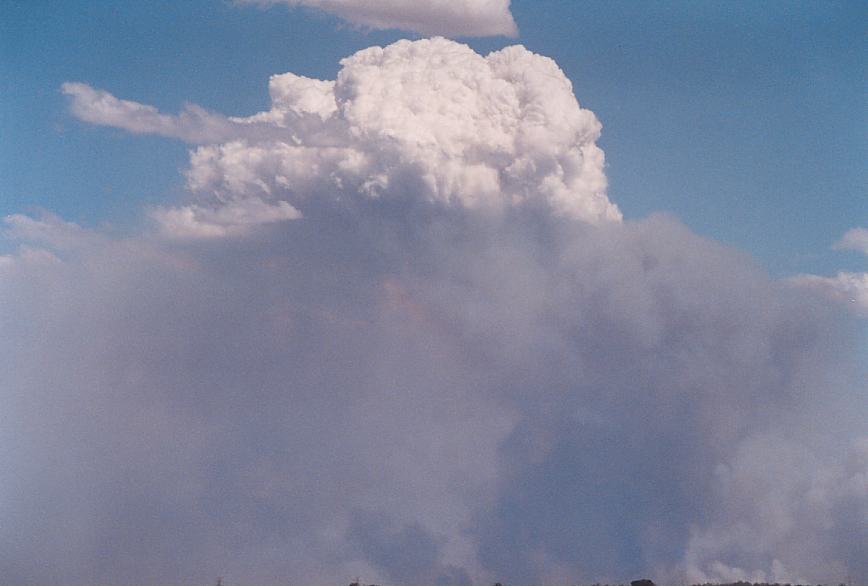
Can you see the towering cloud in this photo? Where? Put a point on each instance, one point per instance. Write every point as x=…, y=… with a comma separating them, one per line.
x=451, y=18
x=426, y=123
x=455, y=364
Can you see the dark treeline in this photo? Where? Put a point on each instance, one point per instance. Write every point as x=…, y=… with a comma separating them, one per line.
x=760, y=584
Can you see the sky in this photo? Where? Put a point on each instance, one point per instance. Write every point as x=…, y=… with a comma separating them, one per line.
x=753, y=112
x=432, y=293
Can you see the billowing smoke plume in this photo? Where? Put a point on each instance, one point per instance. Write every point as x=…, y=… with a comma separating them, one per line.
x=401, y=333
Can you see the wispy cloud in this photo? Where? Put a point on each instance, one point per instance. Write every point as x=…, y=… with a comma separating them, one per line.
x=194, y=124
x=234, y=218
x=854, y=239
x=451, y=18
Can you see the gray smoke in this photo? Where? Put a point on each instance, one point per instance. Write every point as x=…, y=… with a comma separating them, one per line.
x=418, y=388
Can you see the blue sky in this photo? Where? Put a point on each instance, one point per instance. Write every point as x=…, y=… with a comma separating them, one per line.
x=746, y=120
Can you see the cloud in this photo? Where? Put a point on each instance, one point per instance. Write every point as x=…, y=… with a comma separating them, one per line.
x=194, y=124
x=231, y=219
x=847, y=288
x=429, y=121
x=854, y=239
x=419, y=378
x=451, y=18
x=43, y=241
x=48, y=230
x=850, y=289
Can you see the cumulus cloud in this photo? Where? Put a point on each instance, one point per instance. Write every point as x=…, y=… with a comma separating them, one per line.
x=429, y=121
x=451, y=18
x=420, y=379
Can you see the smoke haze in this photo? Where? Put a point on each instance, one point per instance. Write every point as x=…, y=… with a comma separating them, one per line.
x=400, y=331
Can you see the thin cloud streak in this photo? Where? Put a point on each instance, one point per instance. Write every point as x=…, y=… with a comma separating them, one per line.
x=450, y=18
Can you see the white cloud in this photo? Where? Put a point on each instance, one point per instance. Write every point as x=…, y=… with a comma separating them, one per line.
x=48, y=229
x=854, y=239
x=847, y=288
x=194, y=124
x=231, y=219
x=26, y=256
x=44, y=240
x=451, y=18
x=430, y=121
x=851, y=289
